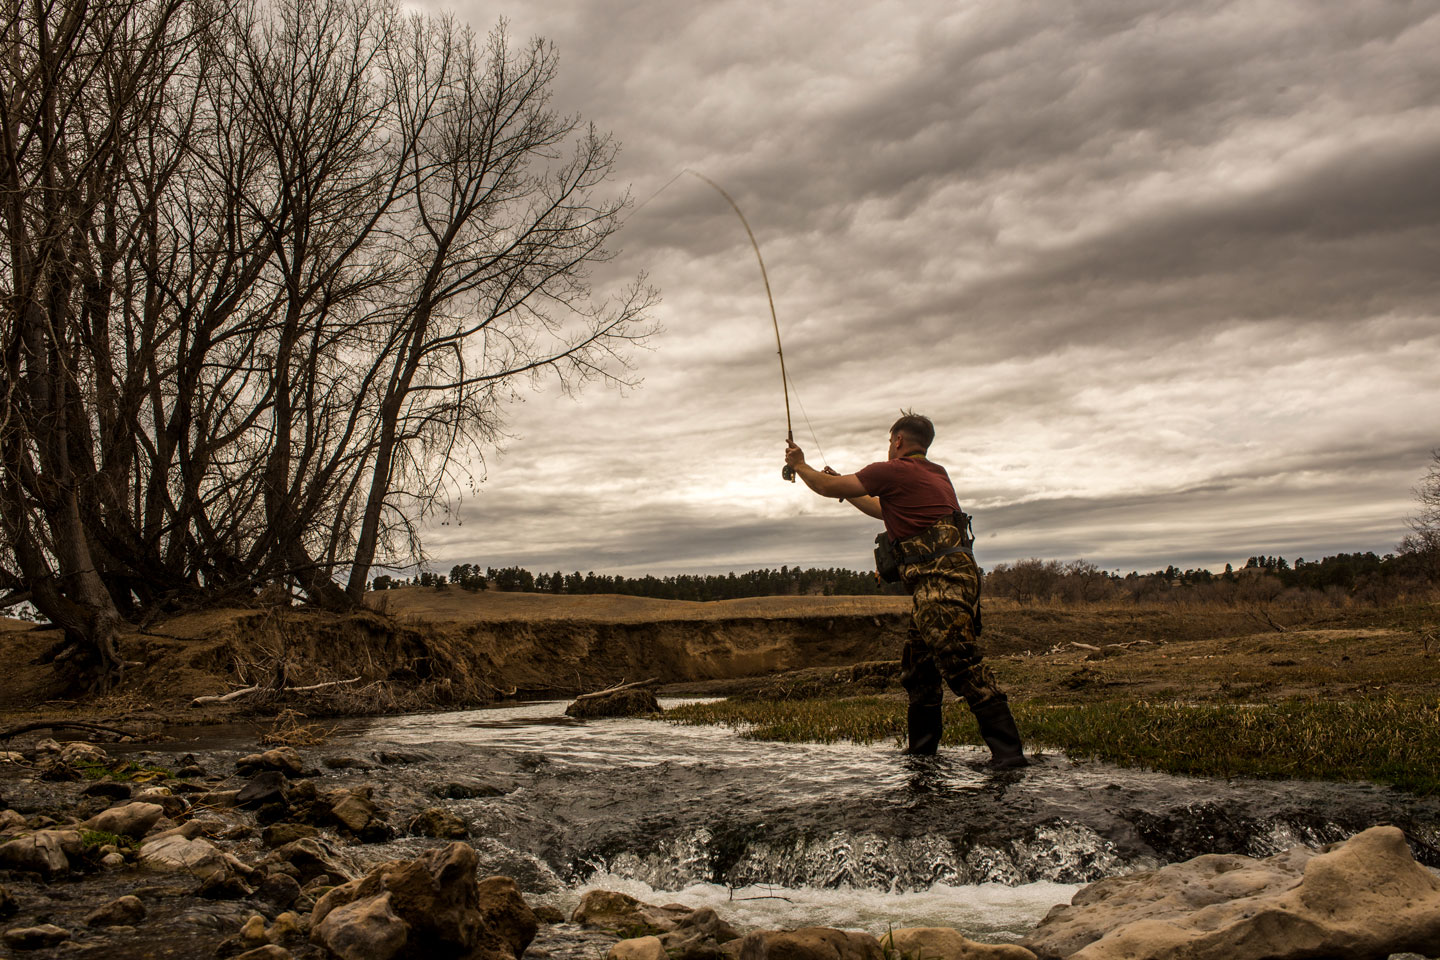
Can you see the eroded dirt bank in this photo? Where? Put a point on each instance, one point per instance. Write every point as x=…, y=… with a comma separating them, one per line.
x=422, y=649
x=385, y=662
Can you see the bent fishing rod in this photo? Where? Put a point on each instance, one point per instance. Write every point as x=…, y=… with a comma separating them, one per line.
x=787, y=471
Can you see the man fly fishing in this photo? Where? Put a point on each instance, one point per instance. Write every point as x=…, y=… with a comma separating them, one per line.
x=929, y=539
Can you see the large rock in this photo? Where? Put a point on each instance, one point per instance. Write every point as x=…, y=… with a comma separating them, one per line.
x=621, y=703
x=427, y=907
x=945, y=943
x=132, y=819
x=36, y=938
x=699, y=936
x=176, y=853
x=310, y=857
x=283, y=759
x=810, y=943
x=622, y=913
x=438, y=823
x=365, y=929
x=46, y=852
x=124, y=911
x=1364, y=898
x=355, y=813
x=78, y=751
x=267, y=786
x=638, y=948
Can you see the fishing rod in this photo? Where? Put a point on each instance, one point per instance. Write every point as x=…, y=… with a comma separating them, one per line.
x=787, y=471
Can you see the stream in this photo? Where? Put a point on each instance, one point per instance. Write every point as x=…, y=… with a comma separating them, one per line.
x=787, y=835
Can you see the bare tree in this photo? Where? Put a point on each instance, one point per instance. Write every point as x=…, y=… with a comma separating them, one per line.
x=1423, y=541
x=272, y=273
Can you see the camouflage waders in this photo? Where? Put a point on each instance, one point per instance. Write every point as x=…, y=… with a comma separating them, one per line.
x=944, y=620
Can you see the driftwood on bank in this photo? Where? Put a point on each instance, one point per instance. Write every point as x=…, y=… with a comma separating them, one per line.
x=247, y=691
x=618, y=687
x=65, y=725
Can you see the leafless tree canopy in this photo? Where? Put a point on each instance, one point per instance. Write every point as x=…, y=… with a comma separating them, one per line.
x=1423, y=541
x=271, y=273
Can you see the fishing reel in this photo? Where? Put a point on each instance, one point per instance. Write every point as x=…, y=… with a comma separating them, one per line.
x=788, y=472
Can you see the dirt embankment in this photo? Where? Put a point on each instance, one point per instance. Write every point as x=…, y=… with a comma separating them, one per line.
x=421, y=651
x=424, y=649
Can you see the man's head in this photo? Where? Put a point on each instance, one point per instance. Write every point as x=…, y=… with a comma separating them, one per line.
x=912, y=433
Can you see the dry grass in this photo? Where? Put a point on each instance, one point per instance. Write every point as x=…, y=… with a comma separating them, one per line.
x=287, y=730
x=455, y=604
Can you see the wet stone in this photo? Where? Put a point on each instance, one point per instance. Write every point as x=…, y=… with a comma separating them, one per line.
x=281, y=759
x=125, y=911
x=466, y=790
x=108, y=789
x=438, y=823
x=393, y=758
x=264, y=788
x=278, y=890
x=78, y=751
x=279, y=834
x=545, y=913
x=267, y=952
x=130, y=819
x=8, y=906
x=227, y=887
x=35, y=938
x=347, y=763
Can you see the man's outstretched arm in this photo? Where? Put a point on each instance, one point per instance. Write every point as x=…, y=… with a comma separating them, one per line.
x=828, y=483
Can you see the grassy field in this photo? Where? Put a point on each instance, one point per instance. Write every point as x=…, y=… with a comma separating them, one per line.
x=457, y=604
x=1337, y=695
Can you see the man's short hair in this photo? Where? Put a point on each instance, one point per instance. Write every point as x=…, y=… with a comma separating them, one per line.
x=915, y=428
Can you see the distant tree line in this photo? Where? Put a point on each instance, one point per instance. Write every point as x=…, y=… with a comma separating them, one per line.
x=786, y=581
x=1365, y=576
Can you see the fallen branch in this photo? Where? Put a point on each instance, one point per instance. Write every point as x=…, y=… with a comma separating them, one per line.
x=246, y=691
x=616, y=689
x=64, y=725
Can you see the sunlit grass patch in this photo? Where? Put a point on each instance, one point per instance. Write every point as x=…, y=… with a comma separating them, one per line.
x=1383, y=740
x=1378, y=739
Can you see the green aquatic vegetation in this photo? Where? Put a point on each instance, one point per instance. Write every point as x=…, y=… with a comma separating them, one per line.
x=1382, y=740
x=94, y=839
x=127, y=770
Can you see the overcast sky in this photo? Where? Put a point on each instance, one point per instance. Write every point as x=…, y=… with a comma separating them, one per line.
x=1166, y=276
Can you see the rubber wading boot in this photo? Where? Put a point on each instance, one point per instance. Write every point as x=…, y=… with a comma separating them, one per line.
x=925, y=725
x=997, y=726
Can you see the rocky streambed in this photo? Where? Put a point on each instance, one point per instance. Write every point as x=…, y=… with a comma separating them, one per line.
x=211, y=846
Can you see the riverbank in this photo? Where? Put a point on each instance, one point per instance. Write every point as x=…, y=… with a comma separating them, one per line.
x=1120, y=683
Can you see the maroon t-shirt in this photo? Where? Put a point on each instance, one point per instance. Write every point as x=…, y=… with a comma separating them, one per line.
x=913, y=493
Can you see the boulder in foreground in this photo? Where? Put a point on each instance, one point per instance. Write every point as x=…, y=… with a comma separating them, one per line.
x=428, y=907
x=1364, y=898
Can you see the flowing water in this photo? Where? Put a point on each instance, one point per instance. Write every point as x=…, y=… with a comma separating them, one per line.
x=787, y=835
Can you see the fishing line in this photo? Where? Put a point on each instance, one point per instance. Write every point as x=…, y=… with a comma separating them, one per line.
x=788, y=473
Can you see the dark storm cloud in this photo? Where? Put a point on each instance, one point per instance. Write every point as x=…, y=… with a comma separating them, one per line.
x=1164, y=273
